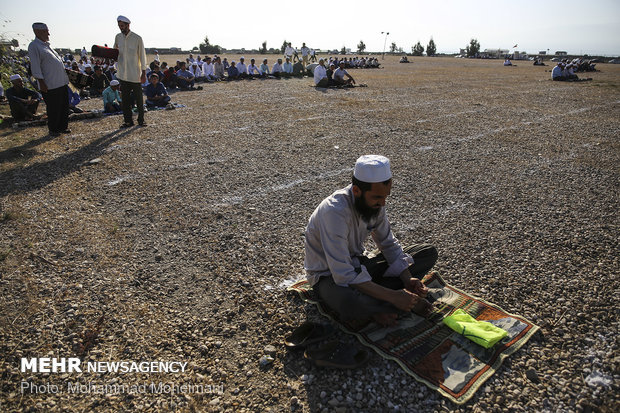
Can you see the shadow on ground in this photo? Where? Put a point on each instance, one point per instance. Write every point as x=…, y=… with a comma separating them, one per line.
x=39, y=175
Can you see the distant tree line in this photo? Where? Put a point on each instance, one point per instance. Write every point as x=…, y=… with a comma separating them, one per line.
x=472, y=49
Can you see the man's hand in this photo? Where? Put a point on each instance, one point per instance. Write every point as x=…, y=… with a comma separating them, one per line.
x=42, y=85
x=415, y=286
x=404, y=300
x=143, y=77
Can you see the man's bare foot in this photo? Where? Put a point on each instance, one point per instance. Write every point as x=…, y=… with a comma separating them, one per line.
x=423, y=308
x=385, y=319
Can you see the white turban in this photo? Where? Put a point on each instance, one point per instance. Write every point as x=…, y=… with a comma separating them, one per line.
x=123, y=19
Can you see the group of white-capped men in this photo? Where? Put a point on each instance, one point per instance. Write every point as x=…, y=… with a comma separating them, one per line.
x=566, y=71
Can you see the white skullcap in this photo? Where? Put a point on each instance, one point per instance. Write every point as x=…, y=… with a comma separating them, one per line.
x=123, y=19
x=14, y=77
x=114, y=83
x=242, y=58
x=372, y=169
x=87, y=65
x=39, y=26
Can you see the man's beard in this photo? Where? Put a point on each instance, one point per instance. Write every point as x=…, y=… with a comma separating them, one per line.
x=365, y=210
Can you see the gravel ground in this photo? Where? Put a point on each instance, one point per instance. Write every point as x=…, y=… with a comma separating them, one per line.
x=176, y=242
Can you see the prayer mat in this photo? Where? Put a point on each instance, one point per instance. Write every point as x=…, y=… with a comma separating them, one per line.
x=429, y=350
x=135, y=110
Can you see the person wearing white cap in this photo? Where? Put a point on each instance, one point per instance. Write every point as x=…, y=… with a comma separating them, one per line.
x=22, y=101
x=111, y=98
x=195, y=70
x=131, y=69
x=558, y=72
x=47, y=67
x=337, y=266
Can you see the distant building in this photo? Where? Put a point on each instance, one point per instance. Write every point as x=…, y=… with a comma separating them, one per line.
x=542, y=52
x=520, y=55
x=561, y=53
x=494, y=53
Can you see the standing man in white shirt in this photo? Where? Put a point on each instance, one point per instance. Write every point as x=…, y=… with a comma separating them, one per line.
x=131, y=70
x=305, y=54
x=289, y=51
x=47, y=67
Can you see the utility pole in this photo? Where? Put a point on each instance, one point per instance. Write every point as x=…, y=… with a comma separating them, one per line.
x=384, y=43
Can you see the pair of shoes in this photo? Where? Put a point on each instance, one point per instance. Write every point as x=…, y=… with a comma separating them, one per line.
x=199, y=88
x=66, y=131
x=54, y=134
x=308, y=333
x=337, y=355
x=142, y=124
x=127, y=124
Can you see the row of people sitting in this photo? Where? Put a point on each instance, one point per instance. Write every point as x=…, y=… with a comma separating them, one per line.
x=566, y=72
x=331, y=76
x=185, y=76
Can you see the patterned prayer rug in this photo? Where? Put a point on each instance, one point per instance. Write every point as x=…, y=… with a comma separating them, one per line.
x=429, y=350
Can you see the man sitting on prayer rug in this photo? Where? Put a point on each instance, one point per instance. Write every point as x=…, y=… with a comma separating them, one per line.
x=155, y=92
x=112, y=98
x=354, y=285
x=340, y=73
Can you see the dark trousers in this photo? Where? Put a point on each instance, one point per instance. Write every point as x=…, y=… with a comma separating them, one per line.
x=126, y=89
x=57, y=103
x=20, y=110
x=351, y=304
x=160, y=102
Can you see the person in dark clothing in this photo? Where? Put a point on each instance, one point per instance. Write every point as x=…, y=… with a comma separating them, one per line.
x=100, y=82
x=155, y=92
x=23, y=102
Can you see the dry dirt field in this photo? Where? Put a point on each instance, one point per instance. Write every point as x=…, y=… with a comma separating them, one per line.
x=176, y=242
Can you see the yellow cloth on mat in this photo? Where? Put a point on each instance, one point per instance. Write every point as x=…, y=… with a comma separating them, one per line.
x=480, y=332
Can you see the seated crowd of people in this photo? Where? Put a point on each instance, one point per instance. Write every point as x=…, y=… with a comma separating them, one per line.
x=99, y=78
x=332, y=75
x=566, y=71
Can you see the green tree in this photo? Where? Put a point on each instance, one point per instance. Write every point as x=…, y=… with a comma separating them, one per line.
x=393, y=47
x=208, y=48
x=283, y=47
x=473, y=48
x=361, y=47
x=343, y=50
x=263, y=48
x=418, y=49
x=431, y=48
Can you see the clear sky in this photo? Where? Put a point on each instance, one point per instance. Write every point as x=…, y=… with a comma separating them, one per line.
x=573, y=25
